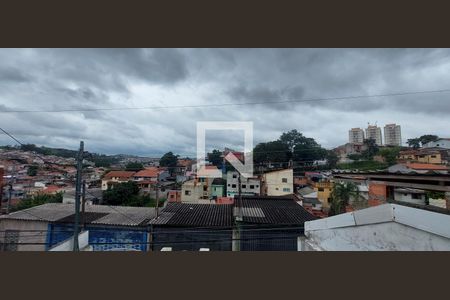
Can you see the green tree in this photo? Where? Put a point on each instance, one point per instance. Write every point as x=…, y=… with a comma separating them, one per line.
x=134, y=166
x=215, y=157
x=424, y=139
x=390, y=155
x=271, y=152
x=32, y=170
x=414, y=143
x=121, y=193
x=332, y=159
x=38, y=199
x=292, y=138
x=169, y=160
x=341, y=195
x=372, y=149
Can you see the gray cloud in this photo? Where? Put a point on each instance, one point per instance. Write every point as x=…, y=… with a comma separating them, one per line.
x=57, y=79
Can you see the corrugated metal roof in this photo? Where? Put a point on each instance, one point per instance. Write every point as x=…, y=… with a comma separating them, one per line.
x=106, y=215
x=200, y=215
x=273, y=210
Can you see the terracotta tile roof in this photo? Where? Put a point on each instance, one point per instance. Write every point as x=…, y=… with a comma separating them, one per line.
x=120, y=174
x=418, y=166
x=149, y=172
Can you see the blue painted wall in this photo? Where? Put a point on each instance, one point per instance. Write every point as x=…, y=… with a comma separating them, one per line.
x=101, y=238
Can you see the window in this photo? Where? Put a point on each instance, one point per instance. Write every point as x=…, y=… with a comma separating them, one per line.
x=416, y=196
x=187, y=193
x=276, y=189
x=286, y=189
x=172, y=196
x=252, y=186
x=233, y=186
x=229, y=184
x=321, y=189
x=244, y=186
x=284, y=180
x=205, y=188
x=234, y=176
x=329, y=200
x=433, y=156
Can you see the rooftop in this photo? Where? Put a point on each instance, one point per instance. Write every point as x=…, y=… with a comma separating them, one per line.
x=432, y=222
x=199, y=215
x=148, y=172
x=120, y=174
x=272, y=210
x=105, y=215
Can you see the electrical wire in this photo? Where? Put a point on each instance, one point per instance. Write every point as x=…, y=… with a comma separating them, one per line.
x=231, y=103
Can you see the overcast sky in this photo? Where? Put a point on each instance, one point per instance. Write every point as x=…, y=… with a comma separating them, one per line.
x=58, y=79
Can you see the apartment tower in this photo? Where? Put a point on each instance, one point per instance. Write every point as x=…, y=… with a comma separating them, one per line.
x=392, y=135
x=356, y=135
x=374, y=132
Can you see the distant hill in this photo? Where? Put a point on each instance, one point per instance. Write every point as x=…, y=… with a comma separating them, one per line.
x=100, y=160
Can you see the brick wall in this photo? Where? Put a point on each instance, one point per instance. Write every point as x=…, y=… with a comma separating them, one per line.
x=377, y=194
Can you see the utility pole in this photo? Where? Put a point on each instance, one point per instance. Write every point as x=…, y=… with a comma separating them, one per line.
x=157, y=196
x=83, y=202
x=8, y=205
x=77, y=196
x=236, y=243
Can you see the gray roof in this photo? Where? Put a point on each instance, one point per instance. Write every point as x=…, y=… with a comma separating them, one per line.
x=305, y=190
x=108, y=215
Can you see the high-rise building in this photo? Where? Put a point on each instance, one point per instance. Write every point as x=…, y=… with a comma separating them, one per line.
x=356, y=135
x=392, y=135
x=374, y=132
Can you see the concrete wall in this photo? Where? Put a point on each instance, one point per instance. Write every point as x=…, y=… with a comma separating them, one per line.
x=38, y=234
x=388, y=236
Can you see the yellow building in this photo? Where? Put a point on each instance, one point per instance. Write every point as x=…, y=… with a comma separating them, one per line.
x=422, y=156
x=323, y=190
x=278, y=183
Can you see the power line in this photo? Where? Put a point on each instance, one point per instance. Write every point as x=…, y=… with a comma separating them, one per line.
x=229, y=103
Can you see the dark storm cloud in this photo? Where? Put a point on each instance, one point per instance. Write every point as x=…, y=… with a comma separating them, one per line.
x=8, y=75
x=243, y=94
x=87, y=79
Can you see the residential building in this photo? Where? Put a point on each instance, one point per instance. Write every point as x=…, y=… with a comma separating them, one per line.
x=218, y=188
x=114, y=177
x=249, y=186
x=174, y=196
x=269, y=223
x=151, y=174
x=410, y=195
x=278, y=183
x=196, y=191
x=374, y=132
x=213, y=225
x=110, y=227
x=356, y=135
x=324, y=189
x=426, y=155
x=392, y=135
x=388, y=227
x=441, y=143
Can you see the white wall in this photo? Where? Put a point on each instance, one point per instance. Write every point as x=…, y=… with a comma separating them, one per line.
x=407, y=197
x=388, y=236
